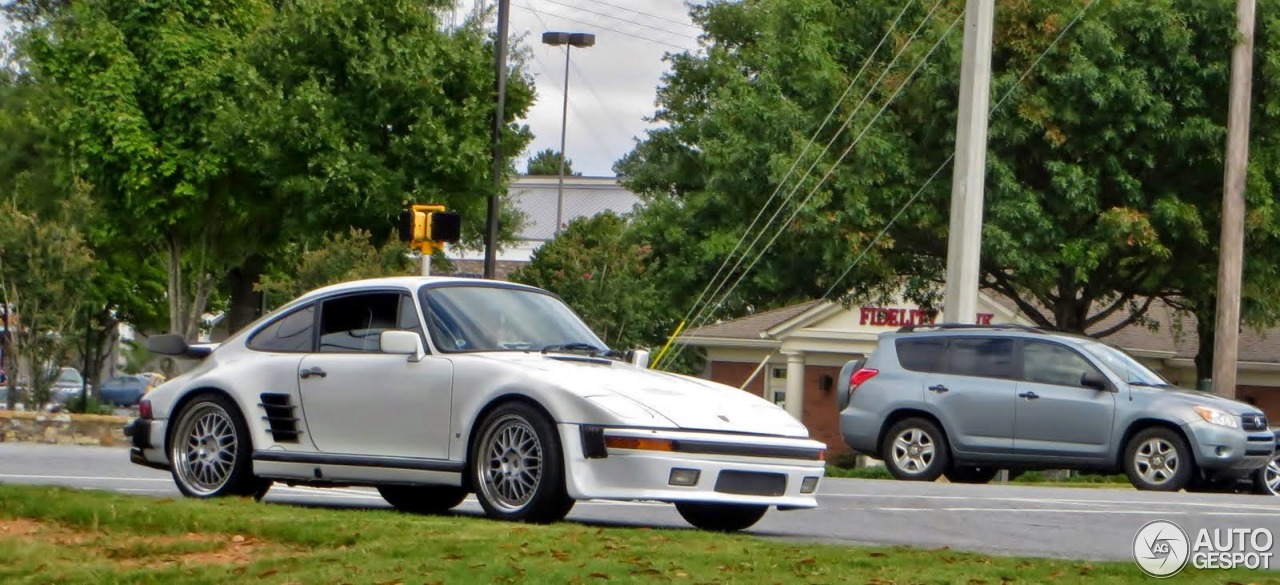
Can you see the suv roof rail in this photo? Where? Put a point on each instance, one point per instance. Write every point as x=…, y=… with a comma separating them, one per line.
x=1011, y=326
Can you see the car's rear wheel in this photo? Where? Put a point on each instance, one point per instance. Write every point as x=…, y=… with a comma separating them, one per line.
x=517, y=466
x=721, y=517
x=209, y=451
x=1266, y=480
x=970, y=474
x=423, y=499
x=915, y=449
x=1158, y=459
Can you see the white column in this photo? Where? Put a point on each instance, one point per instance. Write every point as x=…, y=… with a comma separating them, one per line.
x=795, y=384
x=964, y=242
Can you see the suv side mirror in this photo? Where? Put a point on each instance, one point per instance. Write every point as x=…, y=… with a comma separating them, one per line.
x=1093, y=380
x=638, y=358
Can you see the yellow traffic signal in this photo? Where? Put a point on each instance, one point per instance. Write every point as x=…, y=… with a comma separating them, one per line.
x=429, y=227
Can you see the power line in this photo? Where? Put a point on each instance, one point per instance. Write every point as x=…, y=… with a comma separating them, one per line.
x=646, y=14
x=597, y=25
x=996, y=108
x=695, y=309
x=619, y=18
x=699, y=317
x=842, y=156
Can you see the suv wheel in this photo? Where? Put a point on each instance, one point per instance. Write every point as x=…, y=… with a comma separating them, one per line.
x=1158, y=459
x=915, y=449
x=968, y=474
x=1266, y=481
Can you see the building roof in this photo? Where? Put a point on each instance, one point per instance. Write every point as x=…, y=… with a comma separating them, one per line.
x=751, y=326
x=537, y=197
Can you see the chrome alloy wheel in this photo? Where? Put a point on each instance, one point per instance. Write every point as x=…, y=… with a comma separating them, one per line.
x=513, y=464
x=913, y=450
x=1156, y=460
x=1271, y=476
x=205, y=448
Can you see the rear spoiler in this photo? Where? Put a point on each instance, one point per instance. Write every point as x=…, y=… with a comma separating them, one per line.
x=177, y=346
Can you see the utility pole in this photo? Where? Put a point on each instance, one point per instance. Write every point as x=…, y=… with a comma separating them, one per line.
x=500, y=84
x=964, y=242
x=1226, y=337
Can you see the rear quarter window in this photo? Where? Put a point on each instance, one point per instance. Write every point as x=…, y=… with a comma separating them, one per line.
x=922, y=355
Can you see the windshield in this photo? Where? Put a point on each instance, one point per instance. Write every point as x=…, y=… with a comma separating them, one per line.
x=491, y=318
x=1124, y=365
x=69, y=376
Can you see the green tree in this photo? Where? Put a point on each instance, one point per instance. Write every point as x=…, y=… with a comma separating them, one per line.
x=547, y=163
x=600, y=272
x=1103, y=167
x=340, y=257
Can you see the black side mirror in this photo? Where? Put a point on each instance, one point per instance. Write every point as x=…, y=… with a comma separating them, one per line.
x=1093, y=380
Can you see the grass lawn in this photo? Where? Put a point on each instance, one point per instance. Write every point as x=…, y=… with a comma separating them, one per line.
x=54, y=535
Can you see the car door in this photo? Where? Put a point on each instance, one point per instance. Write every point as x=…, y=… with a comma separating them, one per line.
x=360, y=401
x=974, y=398
x=1056, y=415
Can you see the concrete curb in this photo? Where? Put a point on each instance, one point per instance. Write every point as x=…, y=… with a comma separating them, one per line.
x=62, y=428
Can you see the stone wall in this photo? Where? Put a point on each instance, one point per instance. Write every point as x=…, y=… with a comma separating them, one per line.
x=62, y=428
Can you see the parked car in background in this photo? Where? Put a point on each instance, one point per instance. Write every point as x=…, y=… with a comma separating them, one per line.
x=66, y=385
x=126, y=390
x=964, y=401
x=432, y=388
x=1266, y=480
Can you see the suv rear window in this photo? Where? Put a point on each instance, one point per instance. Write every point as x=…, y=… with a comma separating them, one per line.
x=987, y=357
x=922, y=355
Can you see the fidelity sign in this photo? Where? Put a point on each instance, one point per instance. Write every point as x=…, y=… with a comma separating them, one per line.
x=896, y=317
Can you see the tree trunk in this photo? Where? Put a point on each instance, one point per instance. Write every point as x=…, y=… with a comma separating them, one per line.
x=1206, y=314
x=246, y=303
x=176, y=319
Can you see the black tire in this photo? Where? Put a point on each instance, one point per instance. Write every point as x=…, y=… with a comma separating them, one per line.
x=526, y=485
x=210, y=454
x=1266, y=480
x=1158, y=459
x=423, y=499
x=721, y=517
x=970, y=474
x=928, y=463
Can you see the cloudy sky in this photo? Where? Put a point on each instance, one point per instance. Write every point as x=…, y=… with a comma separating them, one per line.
x=611, y=85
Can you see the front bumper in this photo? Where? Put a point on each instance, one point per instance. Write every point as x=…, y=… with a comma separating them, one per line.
x=146, y=437
x=1226, y=452
x=730, y=468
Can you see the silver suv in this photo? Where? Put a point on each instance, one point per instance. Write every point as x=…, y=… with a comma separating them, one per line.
x=965, y=401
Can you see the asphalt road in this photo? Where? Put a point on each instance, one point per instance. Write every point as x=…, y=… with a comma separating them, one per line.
x=1073, y=523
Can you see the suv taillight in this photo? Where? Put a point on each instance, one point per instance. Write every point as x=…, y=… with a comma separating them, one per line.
x=144, y=409
x=861, y=376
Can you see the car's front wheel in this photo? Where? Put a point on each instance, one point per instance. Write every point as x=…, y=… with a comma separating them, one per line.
x=517, y=466
x=721, y=517
x=209, y=451
x=1266, y=481
x=423, y=499
x=915, y=449
x=1158, y=459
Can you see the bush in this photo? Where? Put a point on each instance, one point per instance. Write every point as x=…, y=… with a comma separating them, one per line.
x=95, y=407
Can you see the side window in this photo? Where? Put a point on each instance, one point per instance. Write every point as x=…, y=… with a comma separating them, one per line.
x=1050, y=363
x=291, y=333
x=987, y=357
x=353, y=324
x=922, y=355
x=408, y=319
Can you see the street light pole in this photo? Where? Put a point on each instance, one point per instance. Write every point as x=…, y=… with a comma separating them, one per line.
x=499, y=123
x=569, y=40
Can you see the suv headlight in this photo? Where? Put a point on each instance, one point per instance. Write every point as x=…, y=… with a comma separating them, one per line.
x=1217, y=417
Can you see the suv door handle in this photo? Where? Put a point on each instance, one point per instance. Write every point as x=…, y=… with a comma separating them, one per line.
x=939, y=388
x=1029, y=395
x=307, y=373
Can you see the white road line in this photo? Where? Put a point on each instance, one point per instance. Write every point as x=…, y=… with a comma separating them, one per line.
x=1070, y=511
x=1057, y=501
x=83, y=477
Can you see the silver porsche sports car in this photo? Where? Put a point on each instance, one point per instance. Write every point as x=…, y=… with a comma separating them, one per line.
x=432, y=388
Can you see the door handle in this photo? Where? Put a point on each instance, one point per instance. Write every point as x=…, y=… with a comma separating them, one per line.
x=307, y=373
x=1029, y=395
x=939, y=388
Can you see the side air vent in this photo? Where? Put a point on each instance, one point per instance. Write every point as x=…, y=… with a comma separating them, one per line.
x=281, y=416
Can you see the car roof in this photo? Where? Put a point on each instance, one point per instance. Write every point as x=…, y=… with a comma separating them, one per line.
x=1021, y=331
x=408, y=283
